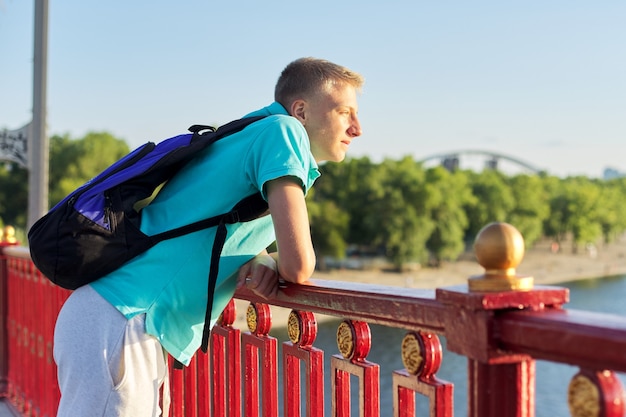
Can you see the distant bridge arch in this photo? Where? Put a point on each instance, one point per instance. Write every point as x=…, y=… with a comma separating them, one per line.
x=491, y=160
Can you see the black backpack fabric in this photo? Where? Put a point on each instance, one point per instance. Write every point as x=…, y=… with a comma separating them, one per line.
x=96, y=228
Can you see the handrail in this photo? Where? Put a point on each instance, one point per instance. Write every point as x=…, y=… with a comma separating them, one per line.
x=554, y=334
x=566, y=336
x=416, y=309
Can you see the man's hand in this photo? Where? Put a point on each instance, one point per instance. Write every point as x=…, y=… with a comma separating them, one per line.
x=260, y=275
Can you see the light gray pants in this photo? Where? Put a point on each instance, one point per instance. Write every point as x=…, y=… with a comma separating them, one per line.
x=107, y=365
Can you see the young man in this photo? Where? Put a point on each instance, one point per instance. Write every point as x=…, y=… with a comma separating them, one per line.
x=111, y=334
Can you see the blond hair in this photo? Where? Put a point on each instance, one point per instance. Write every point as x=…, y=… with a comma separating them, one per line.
x=307, y=76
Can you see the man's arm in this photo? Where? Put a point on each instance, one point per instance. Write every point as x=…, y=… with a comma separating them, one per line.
x=295, y=260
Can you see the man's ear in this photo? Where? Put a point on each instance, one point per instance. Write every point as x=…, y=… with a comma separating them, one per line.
x=298, y=110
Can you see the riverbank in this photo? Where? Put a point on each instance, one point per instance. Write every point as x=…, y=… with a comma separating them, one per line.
x=547, y=268
x=544, y=265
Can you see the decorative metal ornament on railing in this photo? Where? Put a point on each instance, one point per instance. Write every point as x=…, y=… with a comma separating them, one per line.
x=302, y=328
x=596, y=393
x=259, y=318
x=354, y=340
x=421, y=355
x=499, y=248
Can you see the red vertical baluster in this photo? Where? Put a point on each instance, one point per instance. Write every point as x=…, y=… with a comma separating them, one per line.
x=28, y=332
x=291, y=381
x=204, y=384
x=16, y=333
x=46, y=324
x=33, y=317
x=23, y=338
x=302, y=329
x=226, y=365
x=340, y=391
x=51, y=375
x=9, y=348
x=259, y=347
x=177, y=390
x=191, y=389
x=14, y=329
x=4, y=329
x=219, y=375
x=40, y=320
x=251, y=404
x=404, y=400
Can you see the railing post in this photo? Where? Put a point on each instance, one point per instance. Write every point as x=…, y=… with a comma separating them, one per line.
x=500, y=383
x=7, y=238
x=4, y=337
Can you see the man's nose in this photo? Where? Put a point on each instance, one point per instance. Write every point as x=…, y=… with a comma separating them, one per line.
x=355, y=129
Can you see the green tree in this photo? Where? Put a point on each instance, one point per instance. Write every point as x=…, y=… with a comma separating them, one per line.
x=329, y=225
x=531, y=207
x=610, y=209
x=349, y=186
x=13, y=194
x=448, y=193
x=400, y=212
x=573, y=210
x=73, y=162
x=64, y=152
x=555, y=225
x=493, y=201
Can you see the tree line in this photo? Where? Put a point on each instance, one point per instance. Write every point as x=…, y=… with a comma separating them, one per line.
x=398, y=209
x=412, y=213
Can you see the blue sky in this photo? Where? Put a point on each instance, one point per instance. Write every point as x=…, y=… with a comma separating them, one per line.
x=541, y=81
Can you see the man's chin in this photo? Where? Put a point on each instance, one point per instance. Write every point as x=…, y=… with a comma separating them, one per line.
x=337, y=157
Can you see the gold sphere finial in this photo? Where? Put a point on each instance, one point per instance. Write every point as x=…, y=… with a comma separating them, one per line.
x=9, y=235
x=499, y=248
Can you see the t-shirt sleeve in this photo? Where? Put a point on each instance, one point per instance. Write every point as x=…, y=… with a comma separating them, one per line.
x=281, y=149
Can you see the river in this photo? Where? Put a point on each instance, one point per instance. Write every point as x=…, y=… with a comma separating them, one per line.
x=604, y=295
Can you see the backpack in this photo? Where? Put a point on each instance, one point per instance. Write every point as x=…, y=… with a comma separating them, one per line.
x=95, y=229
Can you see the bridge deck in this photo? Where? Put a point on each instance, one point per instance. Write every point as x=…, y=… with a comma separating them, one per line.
x=6, y=410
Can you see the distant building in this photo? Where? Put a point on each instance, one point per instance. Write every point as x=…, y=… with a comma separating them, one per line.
x=451, y=163
x=611, y=173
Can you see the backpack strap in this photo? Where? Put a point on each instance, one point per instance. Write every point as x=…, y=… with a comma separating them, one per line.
x=250, y=208
x=218, y=245
x=199, y=128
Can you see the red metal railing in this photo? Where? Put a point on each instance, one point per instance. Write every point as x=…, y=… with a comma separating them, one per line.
x=501, y=333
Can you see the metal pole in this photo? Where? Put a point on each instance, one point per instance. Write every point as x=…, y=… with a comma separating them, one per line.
x=38, y=147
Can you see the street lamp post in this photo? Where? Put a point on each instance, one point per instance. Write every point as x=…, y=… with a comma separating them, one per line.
x=39, y=147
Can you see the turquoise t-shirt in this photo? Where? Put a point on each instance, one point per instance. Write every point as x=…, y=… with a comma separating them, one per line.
x=169, y=282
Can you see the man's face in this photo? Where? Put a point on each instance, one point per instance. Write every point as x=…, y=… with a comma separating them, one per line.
x=330, y=119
